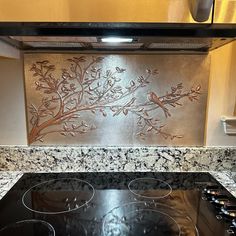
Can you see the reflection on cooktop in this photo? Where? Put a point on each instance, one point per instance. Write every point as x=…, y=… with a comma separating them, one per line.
x=107, y=204
x=58, y=196
x=145, y=188
x=28, y=227
x=137, y=218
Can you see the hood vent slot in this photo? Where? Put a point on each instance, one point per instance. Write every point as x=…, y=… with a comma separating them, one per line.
x=54, y=44
x=182, y=44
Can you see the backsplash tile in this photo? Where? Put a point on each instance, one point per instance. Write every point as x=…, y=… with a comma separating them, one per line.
x=120, y=100
x=57, y=159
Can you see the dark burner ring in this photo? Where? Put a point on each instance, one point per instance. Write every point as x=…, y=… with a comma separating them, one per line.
x=135, y=218
x=28, y=227
x=143, y=187
x=58, y=196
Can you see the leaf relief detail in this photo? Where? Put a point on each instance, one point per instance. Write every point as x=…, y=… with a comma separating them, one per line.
x=85, y=87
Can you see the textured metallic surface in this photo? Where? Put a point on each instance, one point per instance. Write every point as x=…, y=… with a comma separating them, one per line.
x=225, y=12
x=116, y=99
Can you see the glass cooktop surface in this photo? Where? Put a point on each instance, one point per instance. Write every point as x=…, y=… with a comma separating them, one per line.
x=107, y=204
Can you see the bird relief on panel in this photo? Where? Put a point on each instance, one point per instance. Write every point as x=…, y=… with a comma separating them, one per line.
x=99, y=99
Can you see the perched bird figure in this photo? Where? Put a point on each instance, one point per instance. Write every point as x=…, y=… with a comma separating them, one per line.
x=152, y=97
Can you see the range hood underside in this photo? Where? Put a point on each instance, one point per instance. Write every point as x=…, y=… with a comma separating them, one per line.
x=142, y=44
x=146, y=37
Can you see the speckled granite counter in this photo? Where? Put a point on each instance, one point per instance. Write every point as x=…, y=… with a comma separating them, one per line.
x=225, y=178
x=220, y=160
x=8, y=179
x=30, y=159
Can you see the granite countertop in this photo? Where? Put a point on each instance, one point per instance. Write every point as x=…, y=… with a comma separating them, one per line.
x=9, y=178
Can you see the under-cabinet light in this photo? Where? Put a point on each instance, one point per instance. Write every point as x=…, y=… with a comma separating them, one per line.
x=116, y=40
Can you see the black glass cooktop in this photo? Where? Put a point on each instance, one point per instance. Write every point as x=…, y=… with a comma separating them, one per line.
x=118, y=204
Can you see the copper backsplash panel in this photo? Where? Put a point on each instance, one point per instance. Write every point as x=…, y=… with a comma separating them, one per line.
x=95, y=99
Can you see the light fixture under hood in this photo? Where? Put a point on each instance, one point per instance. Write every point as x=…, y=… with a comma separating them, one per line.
x=116, y=40
x=117, y=46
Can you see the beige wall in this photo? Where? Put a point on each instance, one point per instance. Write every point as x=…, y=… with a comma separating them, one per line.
x=12, y=111
x=95, y=11
x=222, y=95
x=221, y=101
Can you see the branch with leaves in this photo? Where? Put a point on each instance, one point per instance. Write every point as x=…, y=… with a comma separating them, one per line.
x=85, y=87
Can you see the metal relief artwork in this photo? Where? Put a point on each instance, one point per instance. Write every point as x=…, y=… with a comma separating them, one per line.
x=116, y=99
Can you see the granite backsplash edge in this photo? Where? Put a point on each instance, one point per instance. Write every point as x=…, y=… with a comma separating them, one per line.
x=86, y=158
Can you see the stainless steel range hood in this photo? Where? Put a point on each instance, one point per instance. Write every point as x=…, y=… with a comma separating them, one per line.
x=143, y=44
x=165, y=25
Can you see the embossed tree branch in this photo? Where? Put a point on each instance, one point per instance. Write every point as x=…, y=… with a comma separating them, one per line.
x=85, y=87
